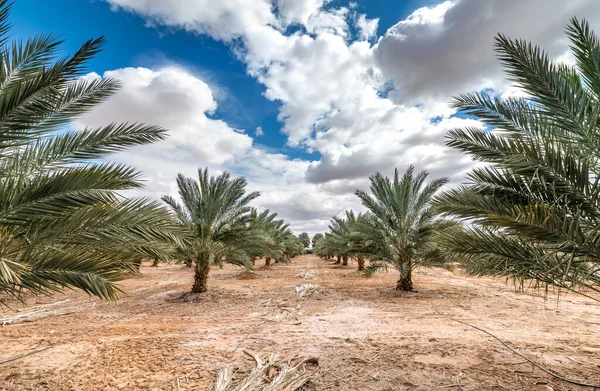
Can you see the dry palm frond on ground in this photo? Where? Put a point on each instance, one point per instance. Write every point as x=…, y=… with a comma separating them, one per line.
x=278, y=311
x=270, y=374
x=305, y=290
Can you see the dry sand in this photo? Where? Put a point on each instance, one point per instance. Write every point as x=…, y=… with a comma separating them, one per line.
x=367, y=336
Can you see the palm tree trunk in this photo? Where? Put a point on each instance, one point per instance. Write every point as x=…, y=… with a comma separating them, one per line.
x=155, y=262
x=268, y=261
x=345, y=261
x=339, y=260
x=405, y=282
x=361, y=263
x=201, y=278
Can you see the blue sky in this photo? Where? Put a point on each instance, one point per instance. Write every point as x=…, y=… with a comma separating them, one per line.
x=340, y=89
x=132, y=44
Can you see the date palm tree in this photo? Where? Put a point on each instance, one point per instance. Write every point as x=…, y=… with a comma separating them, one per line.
x=275, y=232
x=316, y=238
x=217, y=218
x=293, y=245
x=404, y=223
x=305, y=239
x=339, y=238
x=348, y=237
x=63, y=222
x=365, y=239
x=534, y=207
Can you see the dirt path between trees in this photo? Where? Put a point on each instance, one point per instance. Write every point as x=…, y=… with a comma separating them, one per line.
x=367, y=336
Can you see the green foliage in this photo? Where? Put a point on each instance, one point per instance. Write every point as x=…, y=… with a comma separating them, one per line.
x=279, y=243
x=316, y=238
x=402, y=227
x=62, y=220
x=351, y=236
x=534, y=206
x=218, y=222
x=304, y=239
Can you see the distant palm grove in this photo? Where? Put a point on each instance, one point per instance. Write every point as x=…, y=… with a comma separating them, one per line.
x=529, y=212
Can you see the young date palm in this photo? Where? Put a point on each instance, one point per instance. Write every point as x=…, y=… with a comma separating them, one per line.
x=215, y=213
x=339, y=238
x=535, y=205
x=62, y=220
x=351, y=236
x=403, y=223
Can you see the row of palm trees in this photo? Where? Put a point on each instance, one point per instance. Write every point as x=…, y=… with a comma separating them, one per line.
x=63, y=220
x=218, y=225
x=531, y=211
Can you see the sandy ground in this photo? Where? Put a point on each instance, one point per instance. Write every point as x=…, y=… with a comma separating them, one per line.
x=367, y=337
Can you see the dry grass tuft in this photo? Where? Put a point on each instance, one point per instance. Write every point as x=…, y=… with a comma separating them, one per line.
x=270, y=374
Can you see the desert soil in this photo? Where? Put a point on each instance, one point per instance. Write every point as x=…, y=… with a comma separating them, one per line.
x=366, y=336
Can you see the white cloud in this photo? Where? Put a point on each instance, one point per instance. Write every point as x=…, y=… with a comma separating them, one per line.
x=331, y=87
x=178, y=101
x=447, y=49
x=259, y=132
x=292, y=11
x=224, y=20
x=367, y=28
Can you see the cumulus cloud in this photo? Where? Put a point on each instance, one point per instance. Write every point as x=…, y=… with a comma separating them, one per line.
x=226, y=20
x=349, y=98
x=178, y=101
x=259, y=132
x=447, y=49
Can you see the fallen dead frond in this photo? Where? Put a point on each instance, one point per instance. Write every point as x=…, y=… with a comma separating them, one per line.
x=305, y=290
x=269, y=374
x=223, y=379
x=36, y=314
x=279, y=311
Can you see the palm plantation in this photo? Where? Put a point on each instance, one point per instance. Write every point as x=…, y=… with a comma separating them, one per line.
x=529, y=212
x=62, y=220
x=535, y=203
